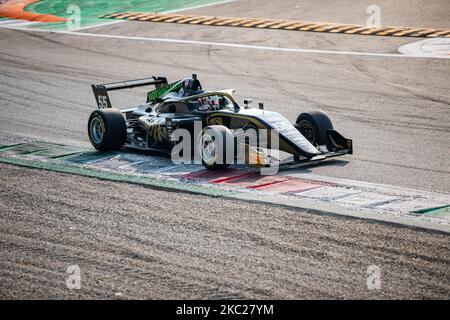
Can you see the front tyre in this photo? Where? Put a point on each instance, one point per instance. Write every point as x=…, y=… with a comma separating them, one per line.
x=314, y=126
x=107, y=129
x=214, y=144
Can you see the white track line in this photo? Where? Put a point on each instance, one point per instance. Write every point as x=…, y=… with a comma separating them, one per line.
x=100, y=25
x=225, y=44
x=7, y=21
x=15, y=23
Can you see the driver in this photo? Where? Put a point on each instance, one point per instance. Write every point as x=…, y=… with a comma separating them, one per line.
x=191, y=86
x=196, y=85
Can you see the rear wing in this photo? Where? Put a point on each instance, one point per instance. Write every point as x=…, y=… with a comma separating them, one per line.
x=101, y=90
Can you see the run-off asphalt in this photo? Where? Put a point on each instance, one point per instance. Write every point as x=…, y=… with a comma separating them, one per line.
x=147, y=243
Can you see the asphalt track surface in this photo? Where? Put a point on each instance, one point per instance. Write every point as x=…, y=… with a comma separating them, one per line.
x=396, y=110
x=144, y=243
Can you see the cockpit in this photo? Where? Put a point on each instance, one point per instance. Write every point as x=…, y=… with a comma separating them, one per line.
x=201, y=103
x=209, y=103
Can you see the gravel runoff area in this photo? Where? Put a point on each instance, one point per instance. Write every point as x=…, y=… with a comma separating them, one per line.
x=135, y=242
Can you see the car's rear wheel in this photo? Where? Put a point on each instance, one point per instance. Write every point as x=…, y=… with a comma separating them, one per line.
x=214, y=144
x=107, y=129
x=313, y=125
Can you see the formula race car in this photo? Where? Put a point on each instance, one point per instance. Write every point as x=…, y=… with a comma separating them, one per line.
x=183, y=119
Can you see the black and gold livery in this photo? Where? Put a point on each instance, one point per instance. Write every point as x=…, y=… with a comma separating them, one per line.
x=184, y=104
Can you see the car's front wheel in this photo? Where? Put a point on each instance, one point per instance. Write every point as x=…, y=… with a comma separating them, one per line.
x=107, y=129
x=314, y=126
x=214, y=144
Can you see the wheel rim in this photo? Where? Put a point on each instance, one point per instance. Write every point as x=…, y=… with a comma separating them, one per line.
x=307, y=130
x=96, y=130
x=208, y=149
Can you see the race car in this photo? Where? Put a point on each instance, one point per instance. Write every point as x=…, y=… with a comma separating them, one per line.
x=218, y=127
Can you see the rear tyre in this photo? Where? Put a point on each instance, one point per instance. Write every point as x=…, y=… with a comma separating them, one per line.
x=214, y=144
x=313, y=125
x=107, y=129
